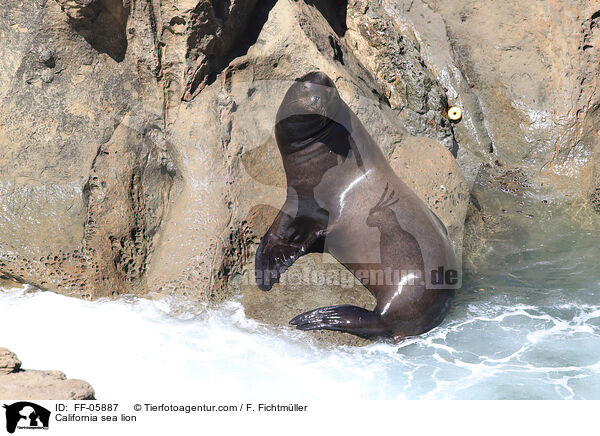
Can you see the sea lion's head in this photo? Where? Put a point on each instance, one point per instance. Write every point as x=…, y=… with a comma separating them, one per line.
x=310, y=104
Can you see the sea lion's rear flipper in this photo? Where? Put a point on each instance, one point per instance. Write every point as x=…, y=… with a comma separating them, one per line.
x=344, y=318
x=287, y=239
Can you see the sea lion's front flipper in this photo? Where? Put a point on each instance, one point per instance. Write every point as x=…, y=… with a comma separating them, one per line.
x=287, y=239
x=344, y=318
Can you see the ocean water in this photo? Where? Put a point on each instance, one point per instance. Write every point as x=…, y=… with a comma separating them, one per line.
x=525, y=326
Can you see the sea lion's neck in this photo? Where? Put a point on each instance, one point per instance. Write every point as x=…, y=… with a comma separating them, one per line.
x=305, y=167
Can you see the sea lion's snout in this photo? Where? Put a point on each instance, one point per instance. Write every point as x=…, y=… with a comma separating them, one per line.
x=317, y=92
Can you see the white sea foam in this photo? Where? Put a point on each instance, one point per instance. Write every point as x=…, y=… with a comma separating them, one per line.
x=134, y=348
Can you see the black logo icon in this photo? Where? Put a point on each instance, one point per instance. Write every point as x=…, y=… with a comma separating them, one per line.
x=26, y=415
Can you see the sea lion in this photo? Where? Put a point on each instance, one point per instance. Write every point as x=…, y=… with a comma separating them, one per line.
x=344, y=198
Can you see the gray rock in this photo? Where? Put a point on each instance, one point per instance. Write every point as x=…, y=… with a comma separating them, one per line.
x=47, y=57
x=8, y=362
x=394, y=58
x=47, y=76
x=43, y=385
x=16, y=383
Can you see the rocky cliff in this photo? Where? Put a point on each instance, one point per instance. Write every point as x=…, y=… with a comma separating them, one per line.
x=136, y=146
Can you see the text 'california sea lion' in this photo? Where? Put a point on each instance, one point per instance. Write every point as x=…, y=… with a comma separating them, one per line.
x=344, y=198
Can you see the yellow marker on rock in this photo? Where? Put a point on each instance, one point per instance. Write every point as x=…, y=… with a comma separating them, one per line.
x=454, y=113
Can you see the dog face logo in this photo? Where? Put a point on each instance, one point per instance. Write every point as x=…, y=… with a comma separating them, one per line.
x=26, y=415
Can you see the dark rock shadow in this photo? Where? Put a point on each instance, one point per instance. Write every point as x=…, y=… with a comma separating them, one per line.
x=246, y=40
x=230, y=44
x=334, y=12
x=105, y=30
